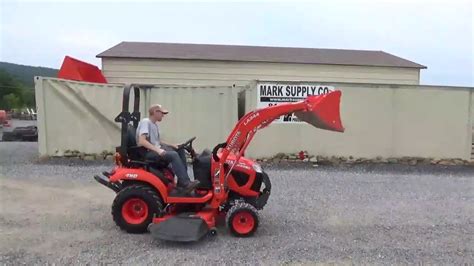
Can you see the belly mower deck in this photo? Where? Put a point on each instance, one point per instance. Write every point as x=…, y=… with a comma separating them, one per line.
x=184, y=227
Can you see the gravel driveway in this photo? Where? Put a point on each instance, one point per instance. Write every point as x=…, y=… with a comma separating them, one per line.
x=53, y=212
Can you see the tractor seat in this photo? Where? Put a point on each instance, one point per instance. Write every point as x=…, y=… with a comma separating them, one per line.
x=137, y=156
x=134, y=152
x=137, y=153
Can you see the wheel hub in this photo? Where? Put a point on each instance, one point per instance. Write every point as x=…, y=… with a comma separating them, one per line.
x=135, y=211
x=243, y=222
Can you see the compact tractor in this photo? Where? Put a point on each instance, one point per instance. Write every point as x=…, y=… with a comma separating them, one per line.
x=231, y=186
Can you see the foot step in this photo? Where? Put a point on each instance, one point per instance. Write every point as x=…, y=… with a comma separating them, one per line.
x=179, y=193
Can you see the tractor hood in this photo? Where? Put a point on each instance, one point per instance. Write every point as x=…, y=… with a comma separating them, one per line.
x=322, y=111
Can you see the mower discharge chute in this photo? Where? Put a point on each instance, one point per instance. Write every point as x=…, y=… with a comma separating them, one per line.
x=231, y=186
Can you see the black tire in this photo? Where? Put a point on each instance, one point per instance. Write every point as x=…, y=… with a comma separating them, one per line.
x=8, y=137
x=141, y=193
x=247, y=215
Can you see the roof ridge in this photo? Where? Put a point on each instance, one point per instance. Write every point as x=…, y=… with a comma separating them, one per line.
x=255, y=53
x=249, y=46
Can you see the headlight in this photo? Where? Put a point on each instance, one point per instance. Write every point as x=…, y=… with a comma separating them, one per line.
x=257, y=167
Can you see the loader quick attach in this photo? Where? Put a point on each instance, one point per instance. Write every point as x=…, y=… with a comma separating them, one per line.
x=231, y=186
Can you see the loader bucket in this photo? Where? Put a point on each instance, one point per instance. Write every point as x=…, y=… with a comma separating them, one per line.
x=323, y=111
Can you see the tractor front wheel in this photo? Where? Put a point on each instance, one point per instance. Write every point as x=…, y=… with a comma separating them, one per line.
x=242, y=219
x=134, y=208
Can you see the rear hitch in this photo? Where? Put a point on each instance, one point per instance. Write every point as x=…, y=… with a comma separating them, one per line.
x=114, y=186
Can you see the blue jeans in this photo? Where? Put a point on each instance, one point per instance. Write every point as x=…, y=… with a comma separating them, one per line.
x=177, y=159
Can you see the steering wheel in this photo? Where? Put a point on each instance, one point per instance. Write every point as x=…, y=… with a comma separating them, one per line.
x=188, y=146
x=189, y=142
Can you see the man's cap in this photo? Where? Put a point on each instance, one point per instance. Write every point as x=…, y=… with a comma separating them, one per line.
x=155, y=107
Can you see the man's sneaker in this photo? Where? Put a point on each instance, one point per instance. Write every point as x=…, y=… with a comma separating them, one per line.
x=189, y=187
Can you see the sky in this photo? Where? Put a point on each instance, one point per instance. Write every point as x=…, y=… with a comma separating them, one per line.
x=437, y=34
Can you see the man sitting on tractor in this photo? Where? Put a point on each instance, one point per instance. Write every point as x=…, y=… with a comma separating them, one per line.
x=148, y=136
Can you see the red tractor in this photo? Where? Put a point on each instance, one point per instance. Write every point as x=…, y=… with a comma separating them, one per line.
x=231, y=186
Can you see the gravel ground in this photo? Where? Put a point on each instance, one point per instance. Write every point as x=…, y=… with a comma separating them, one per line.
x=54, y=212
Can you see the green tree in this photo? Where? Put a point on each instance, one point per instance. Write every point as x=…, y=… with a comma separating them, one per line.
x=13, y=94
x=28, y=97
x=11, y=101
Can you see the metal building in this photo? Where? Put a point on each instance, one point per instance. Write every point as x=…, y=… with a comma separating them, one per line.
x=198, y=64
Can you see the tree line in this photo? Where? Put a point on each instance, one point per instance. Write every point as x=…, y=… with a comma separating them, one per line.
x=14, y=94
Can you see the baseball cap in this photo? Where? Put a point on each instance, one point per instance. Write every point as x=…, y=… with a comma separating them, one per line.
x=159, y=107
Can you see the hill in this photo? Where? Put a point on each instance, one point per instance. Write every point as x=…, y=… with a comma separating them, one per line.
x=17, y=84
x=25, y=74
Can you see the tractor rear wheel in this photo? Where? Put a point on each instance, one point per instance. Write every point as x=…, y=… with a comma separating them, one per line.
x=242, y=219
x=134, y=208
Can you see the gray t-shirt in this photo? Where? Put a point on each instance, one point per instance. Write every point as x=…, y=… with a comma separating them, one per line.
x=145, y=126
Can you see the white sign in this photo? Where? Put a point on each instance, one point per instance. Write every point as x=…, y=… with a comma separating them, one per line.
x=269, y=94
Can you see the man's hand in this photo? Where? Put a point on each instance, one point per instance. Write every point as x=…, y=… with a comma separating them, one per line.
x=144, y=142
x=160, y=151
x=174, y=146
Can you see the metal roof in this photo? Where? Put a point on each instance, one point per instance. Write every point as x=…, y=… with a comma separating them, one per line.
x=186, y=51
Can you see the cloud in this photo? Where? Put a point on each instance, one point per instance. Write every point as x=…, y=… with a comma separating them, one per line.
x=435, y=33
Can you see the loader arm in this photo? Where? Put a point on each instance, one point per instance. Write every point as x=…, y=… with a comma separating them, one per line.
x=321, y=111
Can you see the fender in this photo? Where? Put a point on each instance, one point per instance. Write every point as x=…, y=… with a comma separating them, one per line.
x=141, y=175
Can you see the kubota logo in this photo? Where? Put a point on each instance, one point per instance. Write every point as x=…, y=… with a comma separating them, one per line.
x=233, y=140
x=131, y=175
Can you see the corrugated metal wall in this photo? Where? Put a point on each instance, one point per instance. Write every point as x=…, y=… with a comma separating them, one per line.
x=80, y=116
x=76, y=116
x=472, y=124
x=195, y=72
x=380, y=120
x=209, y=113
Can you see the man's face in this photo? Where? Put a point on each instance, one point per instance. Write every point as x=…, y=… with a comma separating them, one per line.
x=158, y=115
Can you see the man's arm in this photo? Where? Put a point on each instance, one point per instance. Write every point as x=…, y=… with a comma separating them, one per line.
x=171, y=145
x=142, y=141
